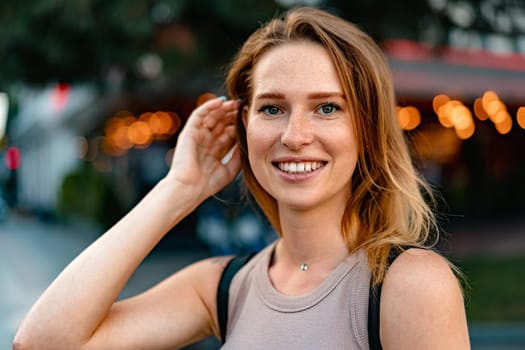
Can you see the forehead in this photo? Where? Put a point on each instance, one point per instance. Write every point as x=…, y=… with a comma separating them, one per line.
x=296, y=66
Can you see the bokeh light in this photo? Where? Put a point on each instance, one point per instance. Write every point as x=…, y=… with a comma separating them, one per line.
x=520, y=117
x=496, y=111
x=205, y=97
x=453, y=113
x=445, y=112
x=505, y=125
x=408, y=117
x=140, y=134
x=124, y=131
x=479, y=111
x=487, y=98
x=438, y=101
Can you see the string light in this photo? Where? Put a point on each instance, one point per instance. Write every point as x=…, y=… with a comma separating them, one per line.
x=453, y=113
x=124, y=131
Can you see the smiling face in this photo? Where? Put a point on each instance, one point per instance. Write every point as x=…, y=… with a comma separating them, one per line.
x=301, y=143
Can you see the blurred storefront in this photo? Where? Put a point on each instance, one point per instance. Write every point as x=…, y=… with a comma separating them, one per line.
x=463, y=109
x=467, y=123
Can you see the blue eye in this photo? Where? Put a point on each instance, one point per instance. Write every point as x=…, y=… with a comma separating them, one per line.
x=328, y=108
x=270, y=110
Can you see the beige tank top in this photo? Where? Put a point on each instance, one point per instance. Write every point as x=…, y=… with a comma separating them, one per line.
x=333, y=316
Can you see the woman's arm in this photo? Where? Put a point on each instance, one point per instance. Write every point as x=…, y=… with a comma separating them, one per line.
x=78, y=309
x=422, y=305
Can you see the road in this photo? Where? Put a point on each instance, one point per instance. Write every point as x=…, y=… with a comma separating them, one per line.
x=32, y=253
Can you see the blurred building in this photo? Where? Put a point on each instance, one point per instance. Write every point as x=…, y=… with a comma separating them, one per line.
x=48, y=145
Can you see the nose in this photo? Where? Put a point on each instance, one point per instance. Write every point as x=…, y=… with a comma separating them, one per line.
x=298, y=131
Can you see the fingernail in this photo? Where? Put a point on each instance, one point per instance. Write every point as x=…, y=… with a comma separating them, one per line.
x=224, y=98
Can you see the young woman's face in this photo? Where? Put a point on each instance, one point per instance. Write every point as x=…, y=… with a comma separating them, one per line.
x=301, y=143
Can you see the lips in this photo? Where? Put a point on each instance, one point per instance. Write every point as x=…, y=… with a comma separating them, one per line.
x=299, y=167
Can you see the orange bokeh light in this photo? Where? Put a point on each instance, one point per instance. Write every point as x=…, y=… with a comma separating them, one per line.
x=479, y=111
x=454, y=113
x=113, y=124
x=495, y=107
x=110, y=147
x=438, y=101
x=505, y=126
x=408, y=117
x=165, y=123
x=140, y=134
x=520, y=117
x=467, y=132
x=403, y=117
x=445, y=113
x=461, y=117
x=177, y=122
x=205, y=97
x=487, y=98
x=120, y=138
x=124, y=130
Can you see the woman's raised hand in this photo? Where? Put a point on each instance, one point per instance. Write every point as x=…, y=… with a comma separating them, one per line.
x=207, y=137
x=69, y=317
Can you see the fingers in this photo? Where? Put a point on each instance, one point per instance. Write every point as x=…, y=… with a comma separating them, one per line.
x=216, y=127
x=213, y=127
x=233, y=164
x=212, y=112
x=223, y=143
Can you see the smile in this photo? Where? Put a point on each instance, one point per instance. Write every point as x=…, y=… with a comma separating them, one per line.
x=299, y=167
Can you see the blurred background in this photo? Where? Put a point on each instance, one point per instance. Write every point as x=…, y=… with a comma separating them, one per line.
x=94, y=92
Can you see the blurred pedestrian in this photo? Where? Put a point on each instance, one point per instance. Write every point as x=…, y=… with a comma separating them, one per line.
x=313, y=108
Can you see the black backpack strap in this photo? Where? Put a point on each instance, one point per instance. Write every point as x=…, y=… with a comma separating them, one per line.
x=223, y=290
x=373, y=316
x=374, y=300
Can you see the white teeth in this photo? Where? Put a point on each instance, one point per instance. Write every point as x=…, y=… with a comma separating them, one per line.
x=299, y=168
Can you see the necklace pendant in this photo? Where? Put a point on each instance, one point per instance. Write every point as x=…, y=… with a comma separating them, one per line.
x=303, y=267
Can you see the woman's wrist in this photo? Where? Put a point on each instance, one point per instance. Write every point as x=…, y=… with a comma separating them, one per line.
x=175, y=199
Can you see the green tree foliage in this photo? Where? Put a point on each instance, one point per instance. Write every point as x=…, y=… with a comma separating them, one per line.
x=67, y=41
x=70, y=40
x=89, y=194
x=386, y=19
x=59, y=40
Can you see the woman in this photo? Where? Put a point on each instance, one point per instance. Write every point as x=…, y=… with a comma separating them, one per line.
x=313, y=108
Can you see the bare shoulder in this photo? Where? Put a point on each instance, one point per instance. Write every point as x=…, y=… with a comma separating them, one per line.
x=206, y=275
x=422, y=304
x=417, y=267
x=209, y=267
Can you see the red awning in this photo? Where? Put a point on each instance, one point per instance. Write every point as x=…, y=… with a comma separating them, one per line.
x=423, y=72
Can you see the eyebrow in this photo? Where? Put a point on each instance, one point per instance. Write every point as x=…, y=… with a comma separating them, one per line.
x=311, y=96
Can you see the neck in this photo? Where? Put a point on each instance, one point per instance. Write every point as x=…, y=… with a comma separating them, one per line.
x=315, y=240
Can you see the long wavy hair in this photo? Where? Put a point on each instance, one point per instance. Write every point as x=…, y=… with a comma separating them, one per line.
x=388, y=206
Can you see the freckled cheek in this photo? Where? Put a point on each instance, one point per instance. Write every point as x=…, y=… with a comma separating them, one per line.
x=344, y=146
x=260, y=141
